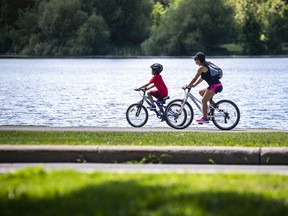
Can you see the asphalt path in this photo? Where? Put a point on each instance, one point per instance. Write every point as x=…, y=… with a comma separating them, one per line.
x=149, y=168
x=131, y=129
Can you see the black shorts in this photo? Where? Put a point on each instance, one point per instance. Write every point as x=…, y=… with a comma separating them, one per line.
x=156, y=94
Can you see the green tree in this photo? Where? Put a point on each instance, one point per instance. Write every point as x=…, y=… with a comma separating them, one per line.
x=189, y=26
x=57, y=28
x=92, y=37
x=261, y=25
x=9, y=13
x=129, y=21
x=81, y=27
x=274, y=17
x=252, y=44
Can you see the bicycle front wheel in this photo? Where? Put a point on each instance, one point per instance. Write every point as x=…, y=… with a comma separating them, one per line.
x=177, y=119
x=226, y=116
x=137, y=115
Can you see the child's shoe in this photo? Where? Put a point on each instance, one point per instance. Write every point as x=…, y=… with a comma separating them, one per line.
x=152, y=107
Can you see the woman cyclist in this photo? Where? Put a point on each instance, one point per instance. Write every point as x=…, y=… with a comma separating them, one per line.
x=214, y=84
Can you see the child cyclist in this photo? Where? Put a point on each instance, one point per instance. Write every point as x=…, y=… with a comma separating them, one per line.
x=161, y=90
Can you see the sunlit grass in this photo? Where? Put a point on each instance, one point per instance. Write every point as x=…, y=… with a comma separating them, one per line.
x=145, y=138
x=233, y=49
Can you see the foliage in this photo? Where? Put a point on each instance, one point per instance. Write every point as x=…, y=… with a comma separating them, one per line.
x=190, y=26
x=158, y=27
x=80, y=27
x=128, y=21
x=261, y=25
x=251, y=33
x=9, y=14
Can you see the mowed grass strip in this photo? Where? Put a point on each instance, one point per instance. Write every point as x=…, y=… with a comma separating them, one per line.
x=35, y=191
x=182, y=138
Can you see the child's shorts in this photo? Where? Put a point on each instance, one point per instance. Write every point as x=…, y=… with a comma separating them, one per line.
x=156, y=94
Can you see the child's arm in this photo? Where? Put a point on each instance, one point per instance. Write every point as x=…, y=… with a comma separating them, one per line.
x=142, y=87
x=151, y=87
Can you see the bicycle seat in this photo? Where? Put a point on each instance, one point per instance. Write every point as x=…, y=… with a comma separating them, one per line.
x=164, y=99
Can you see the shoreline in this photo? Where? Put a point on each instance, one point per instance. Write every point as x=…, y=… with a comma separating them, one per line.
x=131, y=129
x=135, y=57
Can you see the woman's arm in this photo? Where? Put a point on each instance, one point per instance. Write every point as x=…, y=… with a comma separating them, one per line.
x=197, y=78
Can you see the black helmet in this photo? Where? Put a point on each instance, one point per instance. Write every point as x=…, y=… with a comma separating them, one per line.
x=200, y=56
x=157, y=67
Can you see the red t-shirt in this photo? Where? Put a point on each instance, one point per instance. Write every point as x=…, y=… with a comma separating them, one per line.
x=160, y=85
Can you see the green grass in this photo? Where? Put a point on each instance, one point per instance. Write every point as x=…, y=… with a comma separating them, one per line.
x=285, y=48
x=232, y=49
x=236, y=49
x=273, y=139
x=35, y=191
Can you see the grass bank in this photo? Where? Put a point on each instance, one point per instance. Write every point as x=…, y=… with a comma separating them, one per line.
x=35, y=191
x=255, y=139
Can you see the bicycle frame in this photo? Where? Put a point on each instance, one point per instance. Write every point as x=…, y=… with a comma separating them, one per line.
x=160, y=112
x=224, y=114
x=196, y=101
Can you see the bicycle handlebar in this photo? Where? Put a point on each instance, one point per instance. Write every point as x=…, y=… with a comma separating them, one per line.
x=142, y=89
x=186, y=87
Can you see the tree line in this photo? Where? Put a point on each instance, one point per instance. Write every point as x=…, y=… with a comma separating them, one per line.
x=144, y=27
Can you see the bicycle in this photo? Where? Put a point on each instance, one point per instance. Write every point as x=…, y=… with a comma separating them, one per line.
x=224, y=114
x=137, y=114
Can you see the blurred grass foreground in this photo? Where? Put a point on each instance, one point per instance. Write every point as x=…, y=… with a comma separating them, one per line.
x=35, y=191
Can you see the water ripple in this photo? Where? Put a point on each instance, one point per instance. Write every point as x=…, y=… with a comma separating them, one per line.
x=97, y=92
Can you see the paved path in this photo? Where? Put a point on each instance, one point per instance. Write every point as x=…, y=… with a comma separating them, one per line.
x=148, y=168
x=131, y=129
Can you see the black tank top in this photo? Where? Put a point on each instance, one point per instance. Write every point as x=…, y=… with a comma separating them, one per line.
x=208, y=78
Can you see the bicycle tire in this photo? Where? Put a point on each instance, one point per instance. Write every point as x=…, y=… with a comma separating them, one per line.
x=226, y=116
x=137, y=115
x=172, y=116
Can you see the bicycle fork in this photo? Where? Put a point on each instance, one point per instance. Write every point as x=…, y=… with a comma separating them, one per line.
x=139, y=107
x=182, y=107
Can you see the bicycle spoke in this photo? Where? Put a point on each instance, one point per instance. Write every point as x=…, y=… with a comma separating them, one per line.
x=137, y=115
x=175, y=117
x=226, y=116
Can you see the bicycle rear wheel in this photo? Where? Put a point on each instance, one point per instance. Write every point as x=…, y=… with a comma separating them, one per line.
x=226, y=116
x=137, y=115
x=177, y=119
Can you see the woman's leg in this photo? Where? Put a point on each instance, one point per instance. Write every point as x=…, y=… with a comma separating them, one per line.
x=207, y=96
x=202, y=91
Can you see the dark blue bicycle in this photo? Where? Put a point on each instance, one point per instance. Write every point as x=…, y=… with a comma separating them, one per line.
x=137, y=113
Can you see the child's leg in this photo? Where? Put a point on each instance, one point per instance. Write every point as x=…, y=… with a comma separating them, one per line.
x=149, y=94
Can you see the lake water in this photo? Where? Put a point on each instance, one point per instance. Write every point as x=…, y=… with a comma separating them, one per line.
x=97, y=92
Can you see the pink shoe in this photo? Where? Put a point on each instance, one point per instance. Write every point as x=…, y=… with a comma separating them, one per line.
x=202, y=120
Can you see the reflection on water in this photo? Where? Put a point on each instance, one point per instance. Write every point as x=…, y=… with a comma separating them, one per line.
x=97, y=92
